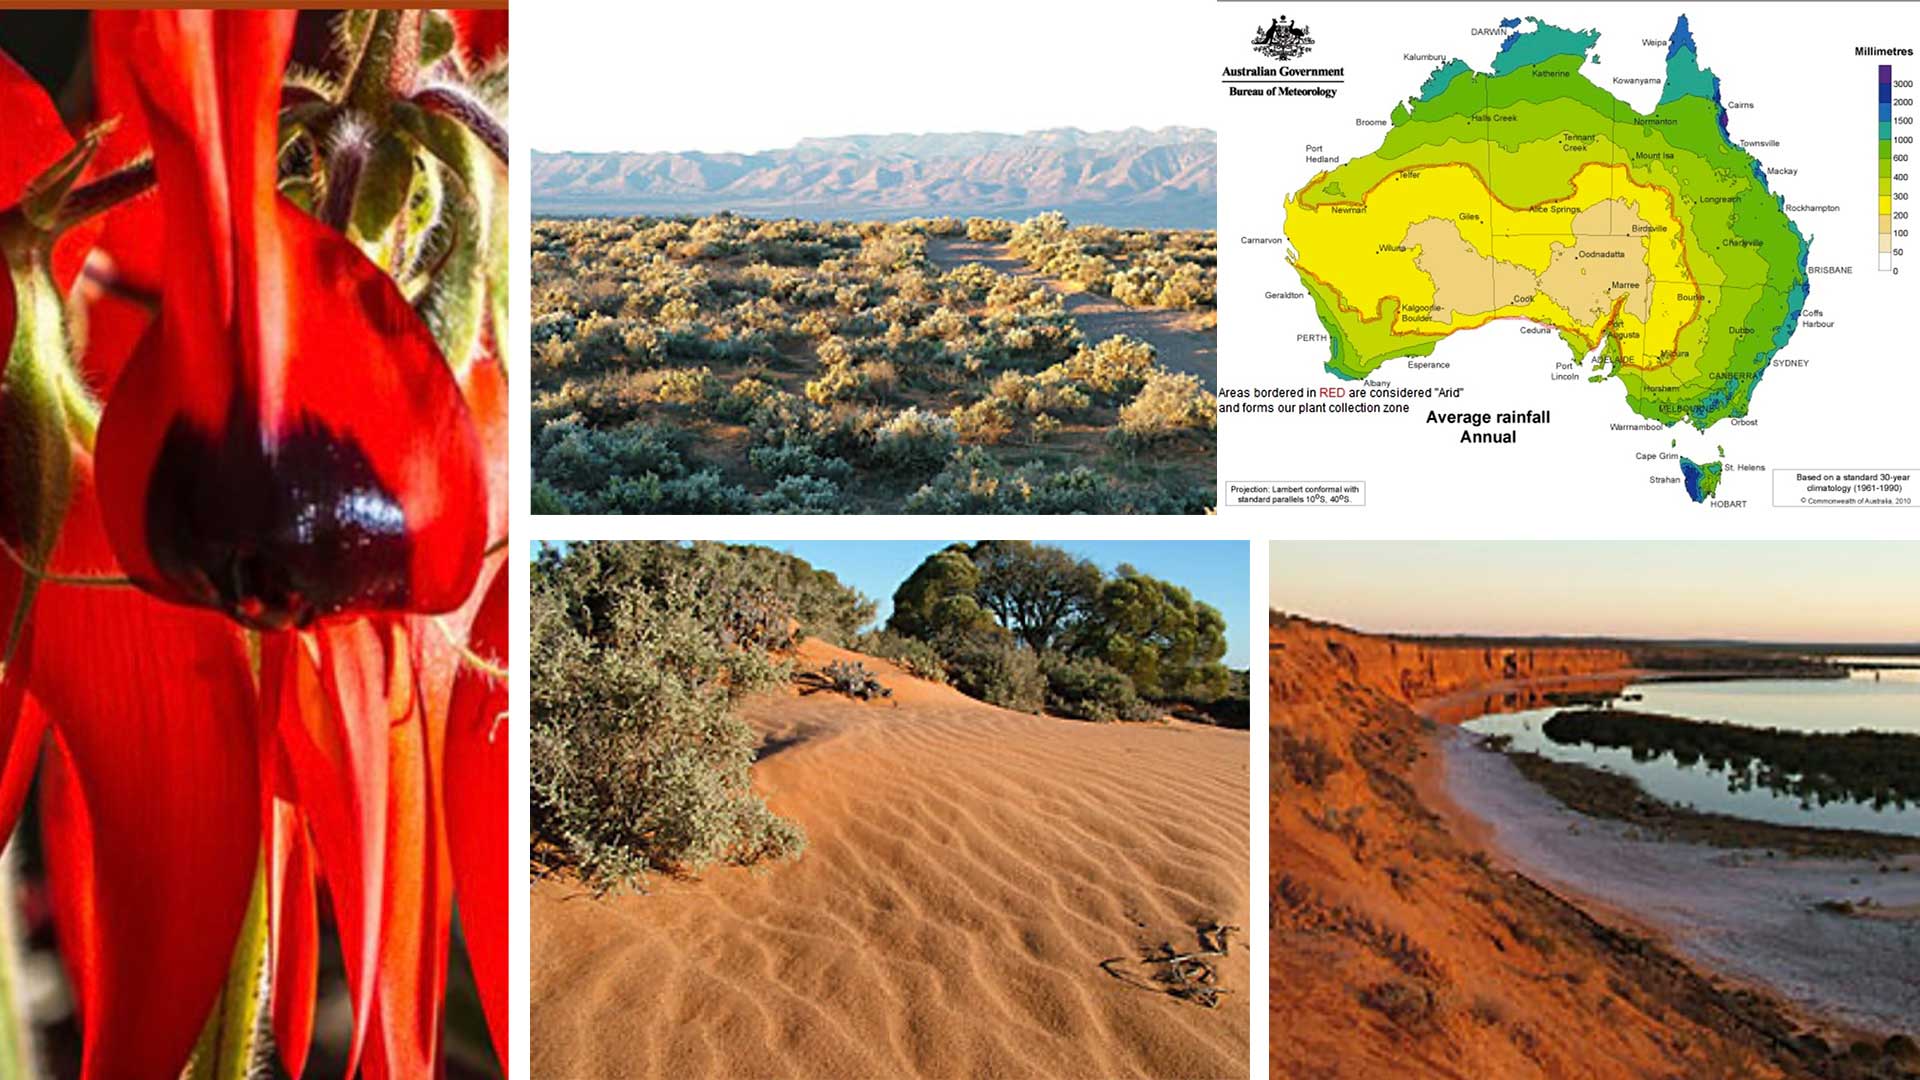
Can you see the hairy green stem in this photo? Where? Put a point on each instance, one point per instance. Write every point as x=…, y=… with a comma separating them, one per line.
x=463, y=107
x=387, y=66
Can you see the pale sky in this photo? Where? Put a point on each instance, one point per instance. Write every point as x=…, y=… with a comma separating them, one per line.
x=1759, y=591
x=751, y=76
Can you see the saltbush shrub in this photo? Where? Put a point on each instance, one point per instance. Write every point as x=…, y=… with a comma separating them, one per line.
x=800, y=495
x=988, y=230
x=1167, y=406
x=985, y=422
x=699, y=325
x=997, y=669
x=1087, y=688
x=797, y=459
x=852, y=678
x=1116, y=368
x=914, y=442
x=915, y=657
x=572, y=456
x=639, y=653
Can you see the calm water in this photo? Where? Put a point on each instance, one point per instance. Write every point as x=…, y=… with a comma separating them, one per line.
x=1890, y=703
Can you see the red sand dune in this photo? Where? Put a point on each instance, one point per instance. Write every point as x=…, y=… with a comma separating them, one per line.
x=967, y=871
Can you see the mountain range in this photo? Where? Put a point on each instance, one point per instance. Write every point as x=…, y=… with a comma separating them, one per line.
x=1164, y=178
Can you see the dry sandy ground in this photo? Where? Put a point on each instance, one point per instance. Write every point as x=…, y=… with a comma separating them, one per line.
x=1177, y=345
x=967, y=871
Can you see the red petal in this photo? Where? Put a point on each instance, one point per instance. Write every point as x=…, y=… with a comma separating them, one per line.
x=67, y=836
x=35, y=136
x=485, y=388
x=333, y=721
x=155, y=708
x=296, y=935
x=22, y=724
x=22, y=728
x=419, y=908
x=287, y=442
x=132, y=244
x=478, y=831
x=482, y=34
x=133, y=229
x=115, y=325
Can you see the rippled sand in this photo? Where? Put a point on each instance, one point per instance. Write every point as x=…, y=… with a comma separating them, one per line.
x=968, y=870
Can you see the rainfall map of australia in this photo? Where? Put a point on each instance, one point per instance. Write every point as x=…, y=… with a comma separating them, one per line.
x=1649, y=242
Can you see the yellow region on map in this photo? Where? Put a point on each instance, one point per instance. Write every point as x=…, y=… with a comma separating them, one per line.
x=1587, y=263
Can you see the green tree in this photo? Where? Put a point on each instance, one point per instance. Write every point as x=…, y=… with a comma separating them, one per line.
x=1167, y=642
x=1040, y=593
x=938, y=599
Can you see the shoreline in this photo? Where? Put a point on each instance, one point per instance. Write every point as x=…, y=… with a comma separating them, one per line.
x=1416, y=934
x=1830, y=937
x=1601, y=794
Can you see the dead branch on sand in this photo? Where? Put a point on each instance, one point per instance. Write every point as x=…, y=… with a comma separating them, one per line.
x=1189, y=976
x=844, y=677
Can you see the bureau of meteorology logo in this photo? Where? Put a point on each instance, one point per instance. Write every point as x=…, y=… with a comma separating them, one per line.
x=1284, y=40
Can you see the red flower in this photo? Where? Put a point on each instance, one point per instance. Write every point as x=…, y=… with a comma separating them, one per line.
x=286, y=445
x=287, y=441
x=477, y=800
x=482, y=34
x=154, y=836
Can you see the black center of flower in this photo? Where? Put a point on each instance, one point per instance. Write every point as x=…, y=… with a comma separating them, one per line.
x=277, y=535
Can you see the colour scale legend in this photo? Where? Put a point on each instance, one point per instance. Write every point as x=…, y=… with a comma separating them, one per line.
x=1886, y=166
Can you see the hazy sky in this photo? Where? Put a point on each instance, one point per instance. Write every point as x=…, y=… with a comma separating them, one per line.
x=1215, y=571
x=1842, y=592
x=757, y=76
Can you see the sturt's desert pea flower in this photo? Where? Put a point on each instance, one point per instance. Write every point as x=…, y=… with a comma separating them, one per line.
x=249, y=647
x=287, y=442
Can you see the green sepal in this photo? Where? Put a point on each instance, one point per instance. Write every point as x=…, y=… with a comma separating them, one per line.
x=445, y=139
x=499, y=257
x=350, y=32
x=421, y=233
x=388, y=60
x=436, y=38
x=37, y=429
x=481, y=175
x=40, y=204
x=491, y=84
x=384, y=184
x=301, y=191
x=296, y=119
x=455, y=301
x=233, y=1044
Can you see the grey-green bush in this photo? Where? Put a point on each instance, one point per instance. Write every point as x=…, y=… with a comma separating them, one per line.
x=1089, y=689
x=915, y=657
x=639, y=653
x=996, y=668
